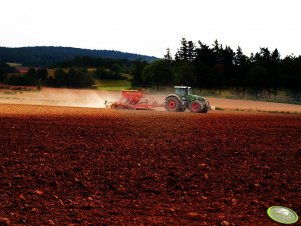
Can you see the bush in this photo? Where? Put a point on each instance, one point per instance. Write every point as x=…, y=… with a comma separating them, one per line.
x=102, y=73
x=19, y=80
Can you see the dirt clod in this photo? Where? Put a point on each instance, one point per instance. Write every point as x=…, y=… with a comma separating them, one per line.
x=225, y=223
x=4, y=221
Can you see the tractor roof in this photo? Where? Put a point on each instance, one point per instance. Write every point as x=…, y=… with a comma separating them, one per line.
x=182, y=87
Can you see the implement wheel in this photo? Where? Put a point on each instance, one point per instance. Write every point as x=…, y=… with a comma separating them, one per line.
x=172, y=104
x=196, y=106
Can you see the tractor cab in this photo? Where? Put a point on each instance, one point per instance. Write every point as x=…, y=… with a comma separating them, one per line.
x=182, y=91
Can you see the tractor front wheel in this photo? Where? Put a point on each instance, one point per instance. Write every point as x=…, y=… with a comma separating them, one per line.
x=196, y=106
x=172, y=104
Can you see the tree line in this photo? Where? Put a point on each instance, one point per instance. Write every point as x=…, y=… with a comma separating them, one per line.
x=115, y=65
x=73, y=73
x=201, y=66
x=71, y=77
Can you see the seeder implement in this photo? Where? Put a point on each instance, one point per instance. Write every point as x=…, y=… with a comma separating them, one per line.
x=133, y=99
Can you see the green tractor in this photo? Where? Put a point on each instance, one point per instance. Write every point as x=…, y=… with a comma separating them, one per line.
x=183, y=98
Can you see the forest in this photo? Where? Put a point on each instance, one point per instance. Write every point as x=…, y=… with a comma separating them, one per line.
x=45, y=56
x=217, y=66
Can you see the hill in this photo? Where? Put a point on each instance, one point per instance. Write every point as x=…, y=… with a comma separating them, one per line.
x=47, y=55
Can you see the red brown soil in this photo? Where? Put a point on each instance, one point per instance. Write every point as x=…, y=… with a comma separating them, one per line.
x=63, y=166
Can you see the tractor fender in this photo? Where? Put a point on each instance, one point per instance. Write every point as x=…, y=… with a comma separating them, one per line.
x=174, y=95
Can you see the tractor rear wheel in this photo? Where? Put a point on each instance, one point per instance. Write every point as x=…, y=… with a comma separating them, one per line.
x=196, y=106
x=172, y=104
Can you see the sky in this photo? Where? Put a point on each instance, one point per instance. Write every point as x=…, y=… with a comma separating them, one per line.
x=149, y=27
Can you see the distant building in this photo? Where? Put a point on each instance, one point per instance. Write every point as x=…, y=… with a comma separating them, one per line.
x=22, y=70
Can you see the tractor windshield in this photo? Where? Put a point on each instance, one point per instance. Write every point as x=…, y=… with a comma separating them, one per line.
x=181, y=92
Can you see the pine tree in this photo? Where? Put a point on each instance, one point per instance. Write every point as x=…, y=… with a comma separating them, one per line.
x=168, y=56
x=191, y=51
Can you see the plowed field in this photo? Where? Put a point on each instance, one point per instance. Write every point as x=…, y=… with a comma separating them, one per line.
x=61, y=166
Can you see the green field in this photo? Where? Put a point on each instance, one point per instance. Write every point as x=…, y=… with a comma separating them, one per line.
x=113, y=84
x=282, y=95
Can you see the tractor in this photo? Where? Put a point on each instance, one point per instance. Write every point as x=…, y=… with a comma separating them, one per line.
x=183, y=99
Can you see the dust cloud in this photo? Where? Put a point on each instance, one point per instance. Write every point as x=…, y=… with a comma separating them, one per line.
x=61, y=97
x=72, y=97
